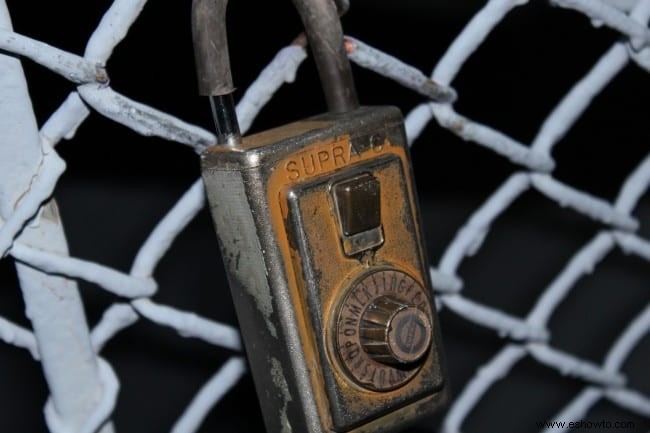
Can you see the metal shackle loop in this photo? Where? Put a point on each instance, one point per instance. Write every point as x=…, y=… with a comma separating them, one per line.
x=210, y=41
x=325, y=35
x=211, y=47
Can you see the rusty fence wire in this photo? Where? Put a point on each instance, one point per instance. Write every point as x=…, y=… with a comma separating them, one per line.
x=31, y=231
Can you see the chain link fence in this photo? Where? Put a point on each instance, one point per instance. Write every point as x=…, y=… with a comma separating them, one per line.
x=84, y=386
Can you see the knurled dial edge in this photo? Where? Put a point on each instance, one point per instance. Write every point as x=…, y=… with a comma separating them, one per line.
x=383, y=329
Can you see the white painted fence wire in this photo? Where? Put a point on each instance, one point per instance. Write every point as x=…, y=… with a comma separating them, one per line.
x=30, y=228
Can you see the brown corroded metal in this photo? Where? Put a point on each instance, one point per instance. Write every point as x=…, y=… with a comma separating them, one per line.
x=289, y=273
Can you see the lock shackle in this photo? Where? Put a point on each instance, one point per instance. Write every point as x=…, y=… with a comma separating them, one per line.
x=211, y=47
x=322, y=26
x=210, y=41
x=325, y=35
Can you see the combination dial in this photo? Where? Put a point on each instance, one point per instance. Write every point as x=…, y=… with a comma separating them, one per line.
x=393, y=332
x=384, y=329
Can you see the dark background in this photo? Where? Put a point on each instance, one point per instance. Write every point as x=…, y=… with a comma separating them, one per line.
x=118, y=185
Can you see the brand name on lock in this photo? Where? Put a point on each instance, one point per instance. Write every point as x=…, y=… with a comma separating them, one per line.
x=327, y=157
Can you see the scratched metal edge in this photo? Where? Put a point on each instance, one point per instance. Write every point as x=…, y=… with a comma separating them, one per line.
x=247, y=252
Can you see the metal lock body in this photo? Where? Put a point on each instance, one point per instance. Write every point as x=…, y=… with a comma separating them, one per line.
x=320, y=233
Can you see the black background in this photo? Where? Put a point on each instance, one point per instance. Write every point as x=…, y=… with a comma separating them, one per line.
x=118, y=185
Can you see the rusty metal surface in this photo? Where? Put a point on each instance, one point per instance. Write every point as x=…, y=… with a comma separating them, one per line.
x=325, y=276
x=288, y=295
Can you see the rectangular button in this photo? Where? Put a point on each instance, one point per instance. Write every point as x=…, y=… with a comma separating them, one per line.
x=357, y=200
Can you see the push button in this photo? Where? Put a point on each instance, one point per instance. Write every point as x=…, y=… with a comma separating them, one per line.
x=357, y=202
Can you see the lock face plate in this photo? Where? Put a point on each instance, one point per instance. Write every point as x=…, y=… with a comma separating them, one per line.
x=306, y=215
x=359, y=389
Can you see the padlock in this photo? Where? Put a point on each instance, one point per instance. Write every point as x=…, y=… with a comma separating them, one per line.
x=320, y=233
